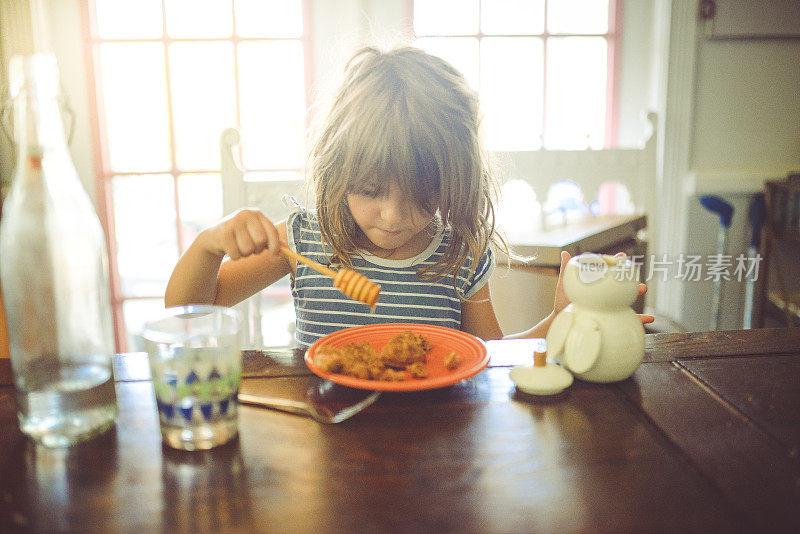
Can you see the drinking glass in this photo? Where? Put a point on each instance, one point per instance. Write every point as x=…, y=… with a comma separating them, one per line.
x=196, y=368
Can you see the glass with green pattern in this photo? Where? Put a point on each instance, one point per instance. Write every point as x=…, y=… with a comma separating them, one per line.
x=196, y=368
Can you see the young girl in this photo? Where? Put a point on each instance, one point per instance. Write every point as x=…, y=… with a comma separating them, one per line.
x=404, y=195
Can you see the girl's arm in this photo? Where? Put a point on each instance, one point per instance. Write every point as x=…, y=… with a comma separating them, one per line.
x=561, y=301
x=478, y=318
x=253, y=244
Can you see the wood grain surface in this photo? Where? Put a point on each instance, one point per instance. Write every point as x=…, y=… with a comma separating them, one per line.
x=702, y=438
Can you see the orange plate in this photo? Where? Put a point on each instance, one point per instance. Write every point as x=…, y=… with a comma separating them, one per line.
x=469, y=348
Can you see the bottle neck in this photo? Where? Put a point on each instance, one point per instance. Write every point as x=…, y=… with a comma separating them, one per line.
x=39, y=131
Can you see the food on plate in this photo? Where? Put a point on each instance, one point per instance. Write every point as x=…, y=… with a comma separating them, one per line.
x=451, y=361
x=405, y=355
x=417, y=370
x=404, y=349
x=354, y=359
x=359, y=360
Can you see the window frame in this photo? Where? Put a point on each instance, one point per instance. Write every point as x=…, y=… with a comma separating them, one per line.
x=101, y=160
x=614, y=63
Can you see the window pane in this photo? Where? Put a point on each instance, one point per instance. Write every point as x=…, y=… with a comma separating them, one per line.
x=462, y=52
x=200, y=202
x=272, y=104
x=576, y=92
x=269, y=18
x=511, y=92
x=577, y=16
x=121, y=19
x=135, y=314
x=512, y=16
x=135, y=98
x=203, y=100
x=147, y=244
x=446, y=17
x=199, y=18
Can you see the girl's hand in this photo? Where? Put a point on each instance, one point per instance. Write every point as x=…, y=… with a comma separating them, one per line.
x=241, y=234
x=561, y=300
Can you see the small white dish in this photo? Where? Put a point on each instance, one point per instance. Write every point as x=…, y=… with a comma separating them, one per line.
x=549, y=379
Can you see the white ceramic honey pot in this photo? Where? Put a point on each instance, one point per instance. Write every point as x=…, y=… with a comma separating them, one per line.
x=598, y=337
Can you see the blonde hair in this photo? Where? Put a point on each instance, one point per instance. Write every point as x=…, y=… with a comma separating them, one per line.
x=411, y=117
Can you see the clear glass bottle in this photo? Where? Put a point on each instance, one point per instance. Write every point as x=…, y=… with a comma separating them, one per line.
x=53, y=269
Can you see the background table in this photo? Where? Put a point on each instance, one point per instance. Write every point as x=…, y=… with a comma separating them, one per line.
x=703, y=438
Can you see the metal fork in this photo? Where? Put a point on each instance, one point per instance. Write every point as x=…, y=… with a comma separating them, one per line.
x=316, y=407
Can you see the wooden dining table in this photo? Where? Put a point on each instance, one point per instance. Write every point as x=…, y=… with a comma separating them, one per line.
x=704, y=437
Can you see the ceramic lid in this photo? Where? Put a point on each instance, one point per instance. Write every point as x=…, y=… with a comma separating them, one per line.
x=546, y=380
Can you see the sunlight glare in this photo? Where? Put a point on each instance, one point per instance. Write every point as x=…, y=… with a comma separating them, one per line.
x=199, y=18
x=272, y=91
x=511, y=92
x=576, y=93
x=147, y=241
x=135, y=105
x=123, y=19
x=446, y=17
x=203, y=101
x=269, y=18
x=509, y=17
x=136, y=313
x=199, y=202
x=519, y=212
x=577, y=16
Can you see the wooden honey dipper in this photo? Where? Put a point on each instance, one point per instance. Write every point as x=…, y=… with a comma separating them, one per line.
x=349, y=282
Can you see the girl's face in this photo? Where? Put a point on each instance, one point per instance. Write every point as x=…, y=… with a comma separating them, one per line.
x=393, y=225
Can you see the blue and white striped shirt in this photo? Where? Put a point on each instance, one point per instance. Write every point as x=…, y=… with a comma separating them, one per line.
x=405, y=298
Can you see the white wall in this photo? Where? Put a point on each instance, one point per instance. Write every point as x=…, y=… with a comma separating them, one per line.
x=745, y=129
x=747, y=114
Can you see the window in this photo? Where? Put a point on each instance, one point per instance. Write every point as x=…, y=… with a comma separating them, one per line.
x=169, y=77
x=544, y=68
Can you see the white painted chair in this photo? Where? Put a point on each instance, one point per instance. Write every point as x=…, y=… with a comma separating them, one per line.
x=237, y=193
x=634, y=168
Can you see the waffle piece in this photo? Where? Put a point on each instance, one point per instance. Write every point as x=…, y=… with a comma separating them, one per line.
x=404, y=349
x=404, y=355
